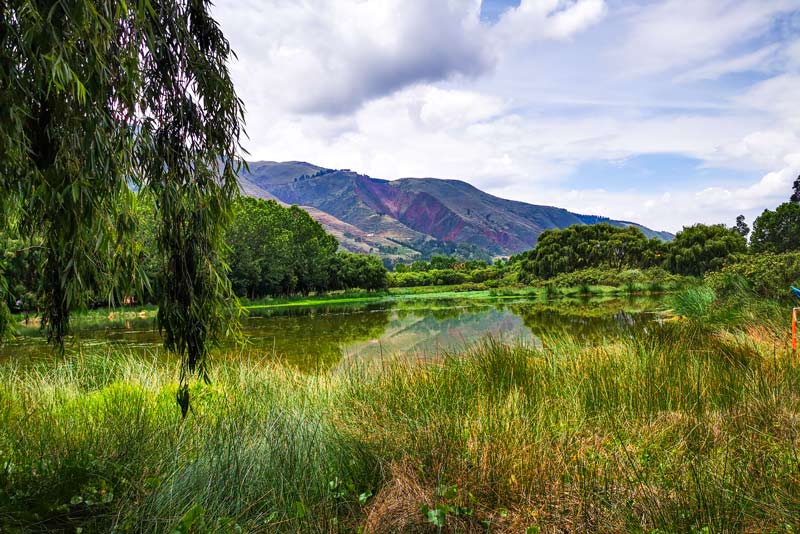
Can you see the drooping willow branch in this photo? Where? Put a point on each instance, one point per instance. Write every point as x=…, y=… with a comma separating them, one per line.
x=96, y=95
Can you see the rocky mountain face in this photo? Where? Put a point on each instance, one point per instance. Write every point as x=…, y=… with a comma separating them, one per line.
x=411, y=217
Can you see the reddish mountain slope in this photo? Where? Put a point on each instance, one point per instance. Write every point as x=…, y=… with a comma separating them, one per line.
x=413, y=212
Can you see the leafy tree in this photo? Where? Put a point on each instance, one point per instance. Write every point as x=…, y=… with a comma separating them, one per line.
x=701, y=248
x=777, y=231
x=741, y=226
x=311, y=251
x=795, y=191
x=95, y=95
x=420, y=266
x=358, y=270
x=442, y=262
x=583, y=246
x=280, y=251
x=277, y=250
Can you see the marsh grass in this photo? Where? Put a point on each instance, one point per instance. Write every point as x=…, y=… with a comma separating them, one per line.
x=685, y=428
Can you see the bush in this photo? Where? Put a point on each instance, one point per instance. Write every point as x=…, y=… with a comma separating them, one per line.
x=694, y=303
x=655, y=277
x=410, y=279
x=767, y=275
x=592, y=277
x=484, y=275
x=447, y=277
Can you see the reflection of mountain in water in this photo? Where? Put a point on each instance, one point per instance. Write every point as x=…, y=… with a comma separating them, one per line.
x=316, y=337
x=426, y=333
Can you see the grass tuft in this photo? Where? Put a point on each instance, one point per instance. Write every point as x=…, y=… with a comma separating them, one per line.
x=679, y=429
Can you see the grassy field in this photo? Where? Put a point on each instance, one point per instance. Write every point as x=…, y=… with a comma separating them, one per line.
x=693, y=427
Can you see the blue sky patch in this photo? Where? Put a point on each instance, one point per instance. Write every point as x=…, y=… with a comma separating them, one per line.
x=659, y=173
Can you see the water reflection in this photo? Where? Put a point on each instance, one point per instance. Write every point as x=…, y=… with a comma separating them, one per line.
x=320, y=337
x=589, y=321
x=314, y=337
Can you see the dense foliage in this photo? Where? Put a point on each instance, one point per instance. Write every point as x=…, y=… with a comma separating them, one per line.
x=652, y=279
x=277, y=250
x=95, y=95
x=21, y=263
x=766, y=274
x=443, y=270
x=362, y=271
x=282, y=251
x=585, y=246
x=701, y=248
x=777, y=231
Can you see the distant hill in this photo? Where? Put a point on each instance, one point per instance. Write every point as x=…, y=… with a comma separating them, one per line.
x=412, y=217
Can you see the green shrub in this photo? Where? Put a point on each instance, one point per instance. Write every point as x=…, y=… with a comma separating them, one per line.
x=447, y=277
x=694, y=303
x=767, y=275
x=631, y=278
x=484, y=275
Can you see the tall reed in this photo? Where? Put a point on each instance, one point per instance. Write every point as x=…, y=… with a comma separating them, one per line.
x=681, y=429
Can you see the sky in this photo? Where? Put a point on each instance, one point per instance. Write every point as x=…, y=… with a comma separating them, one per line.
x=662, y=112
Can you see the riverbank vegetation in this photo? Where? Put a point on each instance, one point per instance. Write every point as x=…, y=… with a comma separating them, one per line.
x=689, y=427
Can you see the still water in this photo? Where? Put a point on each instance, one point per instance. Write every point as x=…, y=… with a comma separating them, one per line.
x=322, y=337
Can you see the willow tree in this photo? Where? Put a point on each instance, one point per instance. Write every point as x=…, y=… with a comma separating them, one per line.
x=97, y=96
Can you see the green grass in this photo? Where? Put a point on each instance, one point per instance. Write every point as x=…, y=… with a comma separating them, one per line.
x=465, y=291
x=689, y=427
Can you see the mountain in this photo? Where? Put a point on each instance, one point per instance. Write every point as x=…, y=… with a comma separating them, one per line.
x=409, y=217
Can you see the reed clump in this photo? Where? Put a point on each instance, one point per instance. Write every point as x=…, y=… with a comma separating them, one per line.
x=685, y=428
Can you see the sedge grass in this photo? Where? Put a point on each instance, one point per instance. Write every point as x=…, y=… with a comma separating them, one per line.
x=681, y=429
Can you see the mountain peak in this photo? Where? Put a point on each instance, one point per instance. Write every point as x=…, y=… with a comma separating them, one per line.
x=404, y=218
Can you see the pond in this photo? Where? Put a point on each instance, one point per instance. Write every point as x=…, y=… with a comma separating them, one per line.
x=321, y=337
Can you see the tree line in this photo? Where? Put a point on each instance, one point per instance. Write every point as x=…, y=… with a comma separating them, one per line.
x=278, y=251
x=271, y=251
x=696, y=249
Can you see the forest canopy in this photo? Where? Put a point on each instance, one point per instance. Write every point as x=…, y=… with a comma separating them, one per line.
x=271, y=251
x=584, y=246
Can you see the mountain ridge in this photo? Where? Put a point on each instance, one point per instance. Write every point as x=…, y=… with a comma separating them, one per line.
x=402, y=219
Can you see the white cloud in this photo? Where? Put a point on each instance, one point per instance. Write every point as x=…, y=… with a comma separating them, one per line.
x=779, y=97
x=681, y=33
x=399, y=88
x=760, y=61
x=331, y=56
x=548, y=19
